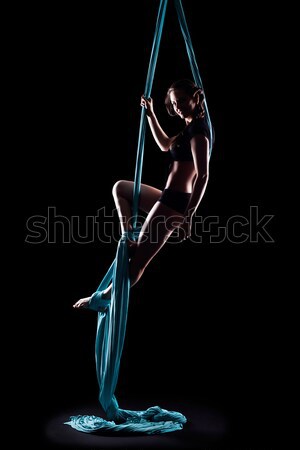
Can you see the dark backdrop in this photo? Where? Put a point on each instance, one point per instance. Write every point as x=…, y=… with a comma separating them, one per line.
x=200, y=322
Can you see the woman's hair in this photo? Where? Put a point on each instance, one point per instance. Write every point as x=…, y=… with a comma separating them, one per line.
x=190, y=88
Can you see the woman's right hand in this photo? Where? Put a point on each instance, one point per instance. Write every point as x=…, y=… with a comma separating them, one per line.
x=148, y=104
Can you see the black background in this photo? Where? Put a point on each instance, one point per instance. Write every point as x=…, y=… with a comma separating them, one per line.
x=201, y=321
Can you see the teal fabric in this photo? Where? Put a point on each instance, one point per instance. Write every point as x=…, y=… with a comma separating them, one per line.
x=112, y=314
x=193, y=62
x=148, y=88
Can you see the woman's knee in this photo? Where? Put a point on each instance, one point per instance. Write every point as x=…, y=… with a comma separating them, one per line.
x=117, y=188
x=121, y=189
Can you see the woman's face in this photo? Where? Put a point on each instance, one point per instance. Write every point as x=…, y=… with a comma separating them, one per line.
x=182, y=103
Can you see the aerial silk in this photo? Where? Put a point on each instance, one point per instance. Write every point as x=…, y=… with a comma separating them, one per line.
x=112, y=313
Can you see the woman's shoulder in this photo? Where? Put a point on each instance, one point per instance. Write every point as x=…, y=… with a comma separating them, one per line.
x=198, y=125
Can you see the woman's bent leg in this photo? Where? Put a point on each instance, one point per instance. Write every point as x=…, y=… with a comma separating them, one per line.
x=123, y=195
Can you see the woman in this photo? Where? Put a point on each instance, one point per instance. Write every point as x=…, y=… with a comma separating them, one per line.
x=185, y=186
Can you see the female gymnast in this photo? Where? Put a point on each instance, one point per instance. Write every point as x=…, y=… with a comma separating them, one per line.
x=186, y=183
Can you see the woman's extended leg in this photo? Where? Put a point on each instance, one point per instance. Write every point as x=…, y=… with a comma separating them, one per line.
x=158, y=227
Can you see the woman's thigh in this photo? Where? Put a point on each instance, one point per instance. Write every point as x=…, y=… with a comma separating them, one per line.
x=148, y=194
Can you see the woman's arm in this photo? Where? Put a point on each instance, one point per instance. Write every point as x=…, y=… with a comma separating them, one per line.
x=200, y=151
x=161, y=138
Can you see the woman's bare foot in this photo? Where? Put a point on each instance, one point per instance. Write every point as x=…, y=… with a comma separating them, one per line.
x=82, y=302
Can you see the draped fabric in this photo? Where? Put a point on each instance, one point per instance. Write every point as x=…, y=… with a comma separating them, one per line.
x=111, y=328
x=112, y=313
x=193, y=62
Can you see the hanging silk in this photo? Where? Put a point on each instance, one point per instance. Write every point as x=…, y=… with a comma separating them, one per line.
x=112, y=313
